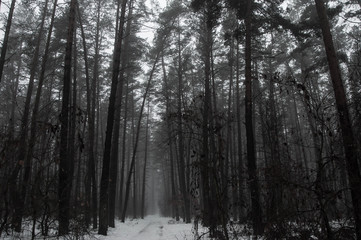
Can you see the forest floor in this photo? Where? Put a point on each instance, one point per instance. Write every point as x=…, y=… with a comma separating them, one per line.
x=153, y=227
x=150, y=228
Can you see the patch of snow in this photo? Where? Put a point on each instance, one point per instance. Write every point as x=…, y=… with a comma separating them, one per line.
x=150, y=228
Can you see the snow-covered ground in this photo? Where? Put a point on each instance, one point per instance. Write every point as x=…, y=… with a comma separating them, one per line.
x=153, y=227
x=150, y=228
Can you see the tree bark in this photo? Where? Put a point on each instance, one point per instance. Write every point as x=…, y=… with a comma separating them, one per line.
x=22, y=160
x=142, y=209
x=6, y=38
x=182, y=181
x=206, y=159
x=90, y=118
x=251, y=154
x=65, y=181
x=123, y=157
x=349, y=142
x=132, y=163
x=114, y=158
x=93, y=146
x=104, y=184
x=241, y=164
x=175, y=211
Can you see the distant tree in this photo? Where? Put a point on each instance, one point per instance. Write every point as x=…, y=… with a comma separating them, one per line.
x=136, y=140
x=142, y=206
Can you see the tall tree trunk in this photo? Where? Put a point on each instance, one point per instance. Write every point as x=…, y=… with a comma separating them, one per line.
x=123, y=157
x=104, y=184
x=72, y=117
x=22, y=160
x=251, y=154
x=205, y=157
x=135, y=184
x=90, y=150
x=6, y=38
x=229, y=124
x=64, y=186
x=93, y=146
x=142, y=208
x=349, y=142
x=175, y=211
x=182, y=181
x=239, y=142
x=11, y=131
x=132, y=163
x=35, y=113
x=274, y=163
x=114, y=158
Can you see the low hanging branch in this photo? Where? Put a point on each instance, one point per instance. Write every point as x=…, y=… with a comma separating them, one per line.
x=137, y=137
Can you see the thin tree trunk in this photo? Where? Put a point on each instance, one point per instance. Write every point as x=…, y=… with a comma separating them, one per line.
x=72, y=117
x=182, y=182
x=90, y=121
x=135, y=169
x=229, y=125
x=64, y=165
x=170, y=140
x=93, y=145
x=123, y=157
x=6, y=38
x=34, y=118
x=114, y=157
x=22, y=160
x=11, y=132
x=142, y=209
x=239, y=142
x=104, y=184
x=349, y=142
x=132, y=163
x=35, y=113
x=205, y=157
x=251, y=154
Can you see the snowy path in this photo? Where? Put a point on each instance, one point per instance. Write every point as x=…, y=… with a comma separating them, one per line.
x=150, y=228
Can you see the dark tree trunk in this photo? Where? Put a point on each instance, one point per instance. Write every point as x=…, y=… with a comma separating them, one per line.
x=251, y=154
x=241, y=166
x=182, y=180
x=175, y=211
x=132, y=163
x=104, y=184
x=72, y=121
x=93, y=146
x=349, y=142
x=229, y=124
x=65, y=181
x=6, y=38
x=90, y=124
x=142, y=209
x=115, y=144
x=123, y=157
x=22, y=159
x=205, y=157
x=114, y=155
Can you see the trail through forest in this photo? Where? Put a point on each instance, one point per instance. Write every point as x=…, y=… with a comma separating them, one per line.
x=151, y=227
x=242, y=115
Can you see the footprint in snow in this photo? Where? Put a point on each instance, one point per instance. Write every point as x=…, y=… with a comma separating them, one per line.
x=160, y=232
